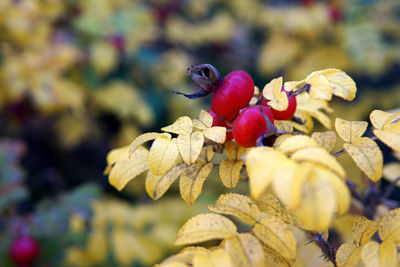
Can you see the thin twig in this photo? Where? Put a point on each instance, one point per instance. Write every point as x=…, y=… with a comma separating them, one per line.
x=340, y=152
x=326, y=249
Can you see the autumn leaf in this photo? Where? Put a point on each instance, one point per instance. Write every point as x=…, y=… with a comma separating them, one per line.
x=320, y=88
x=325, y=139
x=350, y=131
x=229, y=171
x=368, y=157
x=204, y=121
x=205, y=227
x=215, y=258
x=374, y=254
x=297, y=142
x=216, y=134
x=126, y=169
x=237, y=205
x=184, y=257
x=348, y=254
x=163, y=153
x=363, y=229
x=387, y=128
x=341, y=83
x=182, y=125
x=233, y=150
x=141, y=139
x=389, y=228
x=157, y=185
x=275, y=234
x=192, y=180
x=114, y=155
x=272, y=91
x=391, y=172
x=189, y=146
x=245, y=250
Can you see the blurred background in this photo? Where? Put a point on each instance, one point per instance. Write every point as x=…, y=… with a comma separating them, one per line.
x=81, y=77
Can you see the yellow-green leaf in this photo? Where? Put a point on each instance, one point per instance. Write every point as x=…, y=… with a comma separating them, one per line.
x=363, y=229
x=237, y=205
x=391, y=171
x=318, y=203
x=341, y=83
x=216, y=134
x=128, y=168
x=374, y=254
x=157, y=185
x=390, y=139
x=182, y=125
x=205, y=227
x=192, y=180
x=320, y=156
x=189, y=146
x=278, y=99
x=233, y=150
x=261, y=163
x=350, y=131
x=215, y=258
x=123, y=244
x=275, y=234
x=320, y=88
x=325, y=139
x=389, y=228
x=163, y=153
x=245, y=250
x=348, y=255
x=297, y=142
x=368, y=157
x=204, y=121
x=229, y=171
x=141, y=139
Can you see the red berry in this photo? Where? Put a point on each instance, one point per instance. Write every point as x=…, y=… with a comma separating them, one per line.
x=286, y=114
x=24, y=250
x=250, y=125
x=218, y=122
x=234, y=94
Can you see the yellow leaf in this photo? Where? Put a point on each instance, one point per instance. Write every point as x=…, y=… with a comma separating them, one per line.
x=189, y=146
x=157, y=185
x=380, y=118
x=275, y=234
x=233, y=150
x=320, y=156
x=309, y=106
x=363, y=229
x=97, y=246
x=389, y=228
x=209, y=153
x=204, y=121
x=141, y=139
x=350, y=131
x=284, y=125
x=318, y=203
x=343, y=197
x=374, y=254
x=274, y=259
x=215, y=258
x=192, y=180
x=368, y=157
x=204, y=227
x=288, y=180
x=229, y=171
x=293, y=85
x=123, y=243
x=268, y=203
x=278, y=99
x=216, y=134
x=185, y=256
x=182, y=125
x=390, y=139
x=391, y=171
x=325, y=139
x=245, y=250
x=342, y=85
x=128, y=168
x=163, y=153
x=260, y=173
x=320, y=88
x=237, y=205
x=348, y=255
x=115, y=155
x=297, y=142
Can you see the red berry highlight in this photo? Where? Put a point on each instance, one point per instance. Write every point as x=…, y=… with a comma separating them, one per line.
x=24, y=250
x=234, y=94
x=250, y=125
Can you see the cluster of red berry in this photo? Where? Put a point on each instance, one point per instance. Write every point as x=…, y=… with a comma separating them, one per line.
x=230, y=104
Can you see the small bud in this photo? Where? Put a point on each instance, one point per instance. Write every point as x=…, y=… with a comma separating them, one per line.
x=205, y=76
